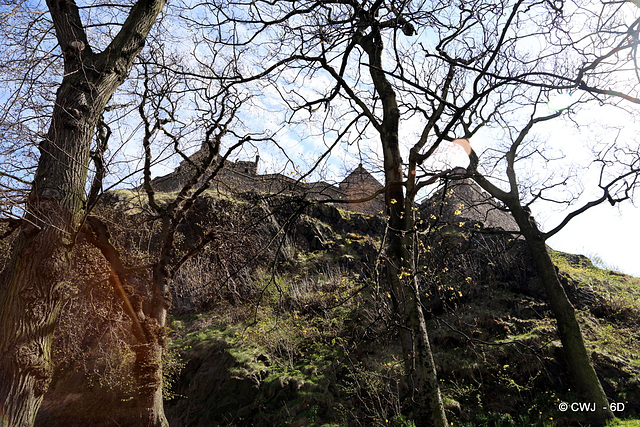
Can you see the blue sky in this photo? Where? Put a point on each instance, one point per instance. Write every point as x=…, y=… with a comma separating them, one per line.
x=611, y=233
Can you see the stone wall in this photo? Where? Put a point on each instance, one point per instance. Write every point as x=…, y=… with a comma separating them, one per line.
x=243, y=176
x=458, y=199
x=462, y=199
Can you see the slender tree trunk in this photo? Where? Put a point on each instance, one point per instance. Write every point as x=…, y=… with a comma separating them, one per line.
x=583, y=374
x=428, y=409
x=148, y=368
x=427, y=406
x=397, y=266
x=579, y=363
x=149, y=331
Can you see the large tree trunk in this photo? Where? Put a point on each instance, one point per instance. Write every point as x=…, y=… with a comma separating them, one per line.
x=32, y=284
x=579, y=364
x=34, y=298
x=31, y=287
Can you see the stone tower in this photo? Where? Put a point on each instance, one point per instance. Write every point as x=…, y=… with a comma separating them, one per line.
x=360, y=184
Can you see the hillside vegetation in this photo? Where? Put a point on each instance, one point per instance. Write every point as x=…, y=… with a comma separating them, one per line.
x=282, y=321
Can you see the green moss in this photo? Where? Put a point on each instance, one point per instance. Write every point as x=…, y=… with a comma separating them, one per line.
x=617, y=292
x=635, y=422
x=541, y=329
x=308, y=342
x=508, y=420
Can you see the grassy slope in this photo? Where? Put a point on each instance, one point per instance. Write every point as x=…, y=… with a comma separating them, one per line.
x=311, y=343
x=315, y=349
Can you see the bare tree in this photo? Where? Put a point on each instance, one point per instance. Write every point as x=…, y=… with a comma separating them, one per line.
x=408, y=75
x=616, y=189
x=30, y=294
x=403, y=75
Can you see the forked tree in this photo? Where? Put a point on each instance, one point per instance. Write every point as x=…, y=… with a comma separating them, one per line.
x=164, y=92
x=31, y=290
x=615, y=189
x=406, y=75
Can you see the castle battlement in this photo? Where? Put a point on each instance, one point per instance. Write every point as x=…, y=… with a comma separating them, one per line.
x=242, y=175
x=459, y=198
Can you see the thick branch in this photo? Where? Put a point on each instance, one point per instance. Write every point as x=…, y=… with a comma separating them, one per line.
x=97, y=233
x=129, y=41
x=496, y=192
x=68, y=25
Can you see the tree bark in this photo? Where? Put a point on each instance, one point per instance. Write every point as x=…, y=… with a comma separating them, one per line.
x=428, y=406
x=26, y=329
x=32, y=284
x=33, y=281
x=428, y=409
x=148, y=331
x=579, y=364
x=148, y=368
x=148, y=372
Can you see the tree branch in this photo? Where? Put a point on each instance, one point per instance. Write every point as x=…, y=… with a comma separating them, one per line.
x=97, y=233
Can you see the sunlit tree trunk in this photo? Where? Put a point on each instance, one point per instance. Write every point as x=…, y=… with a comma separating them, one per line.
x=148, y=367
x=148, y=328
x=148, y=372
x=32, y=283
